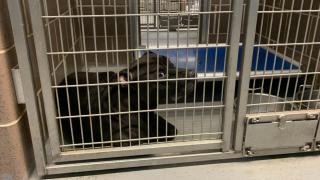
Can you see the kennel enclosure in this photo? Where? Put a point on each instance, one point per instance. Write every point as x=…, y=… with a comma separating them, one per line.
x=255, y=92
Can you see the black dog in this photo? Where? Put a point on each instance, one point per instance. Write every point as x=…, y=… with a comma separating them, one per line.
x=90, y=104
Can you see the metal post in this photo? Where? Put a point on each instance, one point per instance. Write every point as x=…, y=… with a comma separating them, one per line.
x=21, y=45
x=231, y=70
x=250, y=29
x=204, y=7
x=134, y=25
x=44, y=71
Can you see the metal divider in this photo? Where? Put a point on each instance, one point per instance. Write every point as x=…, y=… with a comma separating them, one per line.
x=246, y=59
x=44, y=69
x=232, y=72
x=21, y=46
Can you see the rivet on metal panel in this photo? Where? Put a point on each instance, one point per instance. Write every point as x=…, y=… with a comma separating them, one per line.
x=249, y=152
x=254, y=120
x=282, y=121
x=312, y=116
x=317, y=146
x=306, y=148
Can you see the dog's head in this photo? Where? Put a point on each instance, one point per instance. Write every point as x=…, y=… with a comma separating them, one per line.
x=171, y=85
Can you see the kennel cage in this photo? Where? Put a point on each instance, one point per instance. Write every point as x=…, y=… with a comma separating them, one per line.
x=255, y=80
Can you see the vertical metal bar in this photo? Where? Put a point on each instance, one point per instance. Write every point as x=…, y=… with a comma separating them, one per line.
x=167, y=71
x=107, y=67
x=294, y=50
x=231, y=70
x=262, y=24
x=21, y=45
x=86, y=68
x=289, y=27
x=294, y=47
x=158, y=26
x=224, y=71
x=275, y=59
x=205, y=63
x=53, y=66
x=148, y=73
x=134, y=25
x=267, y=52
x=246, y=61
x=177, y=61
x=309, y=59
x=117, y=59
x=216, y=57
x=186, y=71
x=72, y=27
x=128, y=68
x=65, y=71
x=205, y=7
x=94, y=24
x=43, y=64
x=195, y=80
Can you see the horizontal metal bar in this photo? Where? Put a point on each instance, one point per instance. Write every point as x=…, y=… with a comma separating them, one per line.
x=163, y=160
x=132, y=15
x=140, y=49
x=139, y=162
x=54, y=20
x=141, y=139
x=141, y=111
x=289, y=74
x=285, y=102
x=261, y=115
x=268, y=152
x=164, y=148
x=287, y=44
x=258, y=74
x=291, y=11
x=141, y=81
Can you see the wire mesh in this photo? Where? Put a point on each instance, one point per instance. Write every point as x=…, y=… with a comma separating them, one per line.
x=285, y=68
x=170, y=86
x=110, y=93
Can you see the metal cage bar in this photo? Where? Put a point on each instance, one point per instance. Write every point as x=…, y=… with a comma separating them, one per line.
x=42, y=59
x=231, y=71
x=250, y=29
x=21, y=45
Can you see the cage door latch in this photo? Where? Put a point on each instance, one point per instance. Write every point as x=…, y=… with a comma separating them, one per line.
x=18, y=85
x=282, y=121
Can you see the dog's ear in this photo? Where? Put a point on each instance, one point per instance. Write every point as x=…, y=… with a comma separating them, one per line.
x=151, y=54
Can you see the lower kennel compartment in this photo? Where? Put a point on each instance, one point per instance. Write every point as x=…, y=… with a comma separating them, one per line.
x=280, y=132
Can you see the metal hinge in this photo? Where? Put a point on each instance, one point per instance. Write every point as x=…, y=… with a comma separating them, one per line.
x=18, y=85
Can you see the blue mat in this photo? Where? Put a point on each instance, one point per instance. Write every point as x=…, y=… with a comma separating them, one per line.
x=263, y=59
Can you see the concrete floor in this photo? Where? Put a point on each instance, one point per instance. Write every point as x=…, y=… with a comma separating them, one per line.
x=285, y=167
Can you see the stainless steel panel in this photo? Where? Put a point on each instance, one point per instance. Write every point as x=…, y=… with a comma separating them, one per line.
x=262, y=136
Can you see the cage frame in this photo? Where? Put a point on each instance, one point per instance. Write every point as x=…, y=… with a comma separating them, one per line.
x=48, y=155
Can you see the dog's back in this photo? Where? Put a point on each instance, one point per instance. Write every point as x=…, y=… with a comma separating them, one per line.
x=88, y=100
